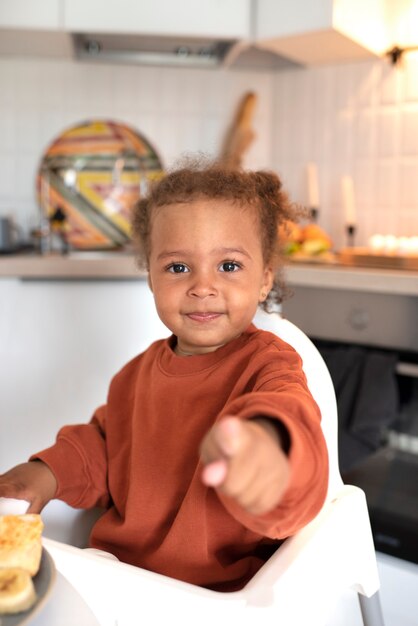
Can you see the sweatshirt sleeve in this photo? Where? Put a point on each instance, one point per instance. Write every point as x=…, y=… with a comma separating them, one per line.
x=78, y=462
x=285, y=396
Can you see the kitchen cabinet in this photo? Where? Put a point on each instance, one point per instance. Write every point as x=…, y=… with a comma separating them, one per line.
x=62, y=341
x=213, y=18
x=36, y=14
x=304, y=31
x=34, y=28
x=319, y=31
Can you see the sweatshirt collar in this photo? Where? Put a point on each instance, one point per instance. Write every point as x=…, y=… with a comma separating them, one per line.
x=172, y=364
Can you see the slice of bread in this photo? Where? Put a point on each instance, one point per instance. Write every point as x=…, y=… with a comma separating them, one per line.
x=17, y=592
x=20, y=542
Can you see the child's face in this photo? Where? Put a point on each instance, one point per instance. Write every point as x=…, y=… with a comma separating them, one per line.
x=206, y=272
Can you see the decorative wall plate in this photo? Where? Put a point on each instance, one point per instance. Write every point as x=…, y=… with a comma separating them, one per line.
x=89, y=179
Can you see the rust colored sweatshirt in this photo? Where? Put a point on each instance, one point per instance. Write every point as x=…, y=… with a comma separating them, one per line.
x=139, y=458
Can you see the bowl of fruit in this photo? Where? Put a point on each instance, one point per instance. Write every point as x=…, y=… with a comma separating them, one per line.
x=307, y=243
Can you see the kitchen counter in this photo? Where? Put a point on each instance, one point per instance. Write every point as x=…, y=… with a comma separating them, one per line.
x=334, y=276
x=122, y=266
x=355, y=305
x=76, y=265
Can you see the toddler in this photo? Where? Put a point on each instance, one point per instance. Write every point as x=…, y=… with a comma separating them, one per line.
x=209, y=449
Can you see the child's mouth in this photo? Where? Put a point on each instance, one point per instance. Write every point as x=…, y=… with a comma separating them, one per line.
x=207, y=316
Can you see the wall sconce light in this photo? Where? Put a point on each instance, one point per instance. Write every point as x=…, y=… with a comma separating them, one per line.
x=396, y=53
x=402, y=20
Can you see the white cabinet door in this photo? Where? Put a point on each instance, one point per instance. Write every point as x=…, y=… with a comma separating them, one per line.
x=62, y=342
x=210, y=18
x=36, y=14
x=280, y=18
x=318, y=31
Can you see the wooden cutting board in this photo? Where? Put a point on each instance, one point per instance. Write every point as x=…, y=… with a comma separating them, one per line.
x=240, y=134
x=364, y=257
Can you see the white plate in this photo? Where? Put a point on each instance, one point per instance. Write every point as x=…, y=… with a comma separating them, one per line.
x=43, y=582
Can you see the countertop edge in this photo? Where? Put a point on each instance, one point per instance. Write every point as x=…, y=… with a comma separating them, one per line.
x=348, y=278
x=74, y=266
x=122, y=266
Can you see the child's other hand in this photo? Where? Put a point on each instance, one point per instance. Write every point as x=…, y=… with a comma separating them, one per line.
x=244, y=460
x=31, y=481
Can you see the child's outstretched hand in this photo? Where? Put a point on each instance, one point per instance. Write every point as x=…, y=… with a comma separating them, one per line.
x=244, y=459
x=31, y=481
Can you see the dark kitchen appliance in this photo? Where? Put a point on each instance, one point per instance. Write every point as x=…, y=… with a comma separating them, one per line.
x=389, y=476
x=389, y=479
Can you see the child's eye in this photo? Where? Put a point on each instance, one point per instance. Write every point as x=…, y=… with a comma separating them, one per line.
x=177, y=268
x=229, y=266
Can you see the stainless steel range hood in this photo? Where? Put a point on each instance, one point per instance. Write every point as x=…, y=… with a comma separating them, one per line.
x=173, y=51
x=151, y=50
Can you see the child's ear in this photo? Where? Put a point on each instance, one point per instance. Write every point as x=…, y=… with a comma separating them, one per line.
x=267, y=284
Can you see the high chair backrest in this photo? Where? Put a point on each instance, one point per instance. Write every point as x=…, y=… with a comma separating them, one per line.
x=319, y=383
x=339, y=538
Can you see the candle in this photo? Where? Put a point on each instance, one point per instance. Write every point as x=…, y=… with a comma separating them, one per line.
x=391, y=243
x=413, y=245
x=313, y=188
x=377, y=243
x=348, y=200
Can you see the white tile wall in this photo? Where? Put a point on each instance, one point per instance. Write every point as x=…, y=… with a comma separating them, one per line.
x=179, y=110
x=358, y=118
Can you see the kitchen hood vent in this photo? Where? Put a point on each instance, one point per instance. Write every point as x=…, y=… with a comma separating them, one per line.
x=151, y=50
x=173, y=51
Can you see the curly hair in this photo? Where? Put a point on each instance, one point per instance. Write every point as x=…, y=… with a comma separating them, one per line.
x=261, y=190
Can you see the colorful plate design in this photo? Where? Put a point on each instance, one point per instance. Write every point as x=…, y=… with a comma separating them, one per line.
x=94, y=173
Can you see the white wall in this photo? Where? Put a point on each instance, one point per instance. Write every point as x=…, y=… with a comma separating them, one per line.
x=179, y=110
x=359, y=119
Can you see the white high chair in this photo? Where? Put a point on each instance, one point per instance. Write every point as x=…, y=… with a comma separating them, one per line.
x=339, y=539
x=298, y=586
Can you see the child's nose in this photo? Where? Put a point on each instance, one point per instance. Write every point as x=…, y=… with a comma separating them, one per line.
x=203, y=285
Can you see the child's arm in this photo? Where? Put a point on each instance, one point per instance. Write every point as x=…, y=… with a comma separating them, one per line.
x=32, y=481
x=246, y=460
